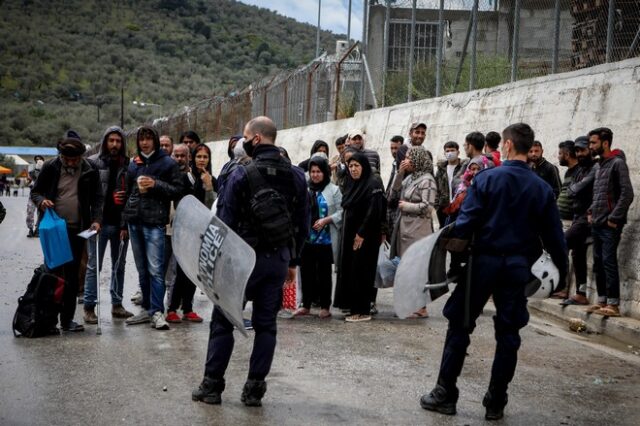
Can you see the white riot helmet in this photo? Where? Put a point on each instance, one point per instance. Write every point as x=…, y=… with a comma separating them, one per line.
x=547, y=278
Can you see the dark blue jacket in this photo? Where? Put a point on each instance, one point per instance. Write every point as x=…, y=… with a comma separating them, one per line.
x=233, y=208
x=510, y=210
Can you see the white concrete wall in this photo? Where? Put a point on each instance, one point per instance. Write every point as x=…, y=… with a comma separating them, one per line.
x=558, y=107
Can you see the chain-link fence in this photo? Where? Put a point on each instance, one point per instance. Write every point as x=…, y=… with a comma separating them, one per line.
x=418, y=49
x=328, y=88
x=423, y=48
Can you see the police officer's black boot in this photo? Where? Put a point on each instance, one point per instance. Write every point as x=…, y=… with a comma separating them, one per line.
x=253, y=392
x=441, y=399
x=209, y=391
x=494, y=401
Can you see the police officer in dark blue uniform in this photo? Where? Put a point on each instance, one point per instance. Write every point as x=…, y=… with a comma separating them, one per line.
x=275, y=261
x=507, y=212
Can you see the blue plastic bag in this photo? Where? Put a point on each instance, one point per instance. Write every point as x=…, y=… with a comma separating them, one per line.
x=54, y=240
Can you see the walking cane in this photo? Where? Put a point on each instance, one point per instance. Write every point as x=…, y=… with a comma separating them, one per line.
x=99, y=328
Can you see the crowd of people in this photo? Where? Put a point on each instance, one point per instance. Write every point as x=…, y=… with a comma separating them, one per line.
x=333, y=214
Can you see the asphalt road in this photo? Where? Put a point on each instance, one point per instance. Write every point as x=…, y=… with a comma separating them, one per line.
x=324, y=372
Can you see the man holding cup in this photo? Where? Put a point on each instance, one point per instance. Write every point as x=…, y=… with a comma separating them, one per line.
x=112, y=162
x=153, y=181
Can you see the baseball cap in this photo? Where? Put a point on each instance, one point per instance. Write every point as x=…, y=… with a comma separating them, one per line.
x=354, y=133
x=582, y=142
x=416, y=125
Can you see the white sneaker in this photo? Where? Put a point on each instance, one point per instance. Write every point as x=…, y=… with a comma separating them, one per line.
x=158, y=322
x=137, y=298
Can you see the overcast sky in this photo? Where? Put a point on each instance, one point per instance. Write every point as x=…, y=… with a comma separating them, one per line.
x=334, y=16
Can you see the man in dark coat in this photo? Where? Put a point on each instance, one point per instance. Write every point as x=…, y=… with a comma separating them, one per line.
x=612, y=196
x=112, y=162
x=507, y=212
x=70, y=185
x=275, y=263
x=153, y=181
x=547, y=171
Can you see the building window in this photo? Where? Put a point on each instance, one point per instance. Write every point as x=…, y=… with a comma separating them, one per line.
x=425, y=44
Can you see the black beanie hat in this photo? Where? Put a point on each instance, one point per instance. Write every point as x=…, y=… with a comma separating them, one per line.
x=71, y=146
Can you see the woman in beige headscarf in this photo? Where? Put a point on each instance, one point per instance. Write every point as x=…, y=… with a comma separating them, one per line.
x=417, y=197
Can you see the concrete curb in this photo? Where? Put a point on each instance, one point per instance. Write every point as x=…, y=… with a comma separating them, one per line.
x=623, y=329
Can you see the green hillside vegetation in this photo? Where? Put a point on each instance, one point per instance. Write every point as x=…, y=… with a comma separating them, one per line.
x=63, y=62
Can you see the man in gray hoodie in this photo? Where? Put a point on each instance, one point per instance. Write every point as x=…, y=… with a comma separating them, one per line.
x=612, y=196
x=112, y=162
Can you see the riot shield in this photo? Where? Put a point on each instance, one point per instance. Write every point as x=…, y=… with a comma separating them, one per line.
x=421, y=276
x=214, y=257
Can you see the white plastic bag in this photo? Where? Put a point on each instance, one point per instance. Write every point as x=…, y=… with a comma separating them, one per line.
x=386, y=270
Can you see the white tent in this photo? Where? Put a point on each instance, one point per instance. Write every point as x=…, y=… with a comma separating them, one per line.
x=18, y=161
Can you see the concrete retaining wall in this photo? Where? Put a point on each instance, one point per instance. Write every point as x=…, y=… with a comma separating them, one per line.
x=558, y=107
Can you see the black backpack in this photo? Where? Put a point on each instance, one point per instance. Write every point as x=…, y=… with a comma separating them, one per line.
x=269, y=212
x=3, y=212
x=38, y=308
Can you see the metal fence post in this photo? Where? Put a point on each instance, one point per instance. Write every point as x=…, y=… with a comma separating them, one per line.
x=516, y=41
x=385, y=56
x=556, y=37
x=440, y=46
x=474, y=47
x=411, y=52
x=349, y=26
x=365, y=33
x=610, y=22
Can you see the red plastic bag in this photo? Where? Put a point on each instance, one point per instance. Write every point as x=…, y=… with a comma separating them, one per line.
x=289, y=295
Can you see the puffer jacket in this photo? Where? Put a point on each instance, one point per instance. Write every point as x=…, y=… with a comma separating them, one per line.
x=102, y=161
x=152, y=207
x=612, y=190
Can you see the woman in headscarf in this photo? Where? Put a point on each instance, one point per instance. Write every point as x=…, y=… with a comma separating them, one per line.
x=321, y=248
x=417, y=197
x=318, y=146
x=364, y=210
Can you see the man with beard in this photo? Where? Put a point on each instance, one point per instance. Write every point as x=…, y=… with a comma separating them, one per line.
x=580, y=192
x=112, y=162
x=70, y=185
x=612, y=195
x=566, y=158
x=547, y=171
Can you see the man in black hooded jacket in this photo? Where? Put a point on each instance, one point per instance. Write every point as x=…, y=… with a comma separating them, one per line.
x=112, y=162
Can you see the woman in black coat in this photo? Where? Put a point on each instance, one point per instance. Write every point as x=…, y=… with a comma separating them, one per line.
x=364, y=211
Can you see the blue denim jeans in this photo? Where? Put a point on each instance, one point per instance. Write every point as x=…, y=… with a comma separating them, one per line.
x=147, y=243
x=605, y=263
x=108, y=234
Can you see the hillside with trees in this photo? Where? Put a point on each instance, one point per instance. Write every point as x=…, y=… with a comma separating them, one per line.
x=63, y=63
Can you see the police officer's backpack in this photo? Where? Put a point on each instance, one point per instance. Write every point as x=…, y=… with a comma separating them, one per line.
x=270, y=215
x=38, y=308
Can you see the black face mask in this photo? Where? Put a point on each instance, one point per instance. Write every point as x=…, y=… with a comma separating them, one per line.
x=248, y=147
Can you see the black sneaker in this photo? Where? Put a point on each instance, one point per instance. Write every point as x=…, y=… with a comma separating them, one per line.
x=494, y=405
x=253, y=392
x=73, y=326
x=209, y=391
x=440, y=400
